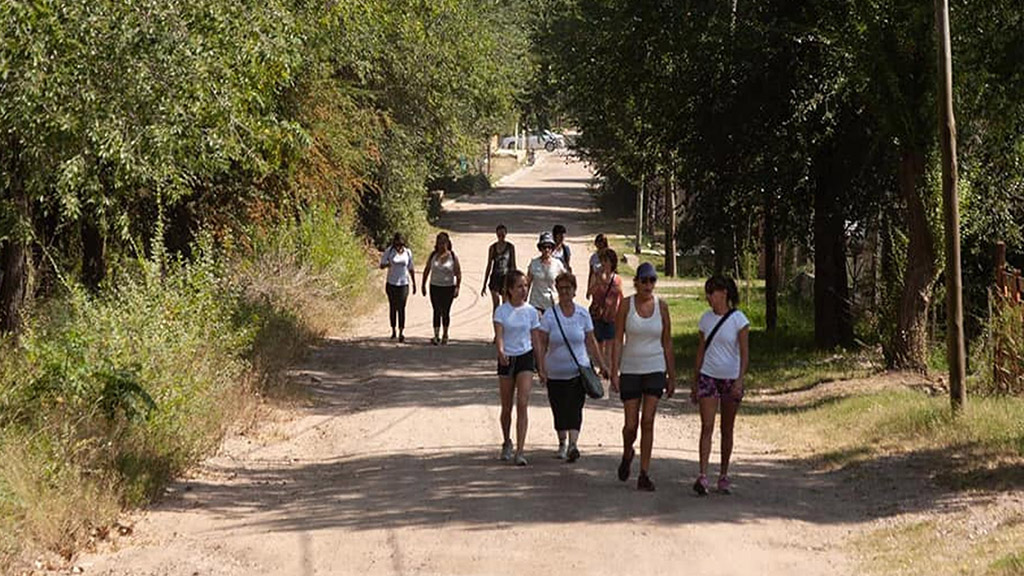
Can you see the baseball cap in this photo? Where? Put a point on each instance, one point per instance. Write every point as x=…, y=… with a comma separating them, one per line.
x=545, y=238
x=646, y=270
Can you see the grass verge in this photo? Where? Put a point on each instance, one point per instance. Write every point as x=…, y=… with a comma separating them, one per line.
x=105, y=398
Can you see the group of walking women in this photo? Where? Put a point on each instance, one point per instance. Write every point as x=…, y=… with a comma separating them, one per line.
x=540, y=329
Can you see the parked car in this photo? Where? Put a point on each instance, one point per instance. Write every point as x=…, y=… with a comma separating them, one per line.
x=545, y=139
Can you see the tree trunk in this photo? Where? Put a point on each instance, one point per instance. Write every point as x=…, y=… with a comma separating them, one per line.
x=907, y=349
x=832, y=321
x=94, y=263
x=14, y=261
x=771, y=267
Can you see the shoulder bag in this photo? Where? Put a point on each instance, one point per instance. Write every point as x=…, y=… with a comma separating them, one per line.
x=591, y=381
x=711, y=336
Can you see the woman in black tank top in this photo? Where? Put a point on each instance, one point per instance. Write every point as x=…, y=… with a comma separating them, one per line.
x=501, y=260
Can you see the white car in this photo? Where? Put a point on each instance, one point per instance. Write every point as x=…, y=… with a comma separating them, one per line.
x=545, y=139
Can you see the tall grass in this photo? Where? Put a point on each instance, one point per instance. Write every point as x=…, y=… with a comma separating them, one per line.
x=105, y=398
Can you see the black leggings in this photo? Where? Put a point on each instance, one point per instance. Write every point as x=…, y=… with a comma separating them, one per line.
x=397, y=296
x=567, y=398
x=441, y=298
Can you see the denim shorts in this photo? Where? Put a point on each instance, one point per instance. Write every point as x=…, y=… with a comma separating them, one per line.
x=633, y=386
x=708, y=387
x=604, y=331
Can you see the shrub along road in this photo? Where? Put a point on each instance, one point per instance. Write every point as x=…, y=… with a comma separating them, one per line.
x=392, y=467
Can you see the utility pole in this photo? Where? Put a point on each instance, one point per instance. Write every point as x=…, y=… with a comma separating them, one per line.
x=955, y=349
x=670, y=225
x=640, y=212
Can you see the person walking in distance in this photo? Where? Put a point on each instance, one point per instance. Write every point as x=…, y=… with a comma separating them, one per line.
x=561, y=250
x=643, y=368
x=541, y=274
x=566, y=338
x=601, y=243
x=722, y=360
x=516, y=333
x=397, y=259
x=501, y=259
x=605, y=297
x=445, y=276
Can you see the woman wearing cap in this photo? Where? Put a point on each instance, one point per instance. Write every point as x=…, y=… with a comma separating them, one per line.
x=445, y=276
x=566, y=336
x=397, y=259
x=501, y=259
x=561, y=250
x=722, y=359
x=600, y=242
x=643, y=368
x=605, y=298
x=541, y=274
x=516, y=328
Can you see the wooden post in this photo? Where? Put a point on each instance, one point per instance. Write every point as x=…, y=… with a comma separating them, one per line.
x=996, y=308
x=1001, y=266
x=955, y=348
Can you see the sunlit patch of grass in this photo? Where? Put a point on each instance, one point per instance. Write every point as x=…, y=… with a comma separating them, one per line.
x=970, y=543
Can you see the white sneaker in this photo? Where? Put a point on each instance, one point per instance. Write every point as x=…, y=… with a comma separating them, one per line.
x=506, y=450
x=563, y=449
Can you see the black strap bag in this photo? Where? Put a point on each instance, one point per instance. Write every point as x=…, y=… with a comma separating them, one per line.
x=588, y=376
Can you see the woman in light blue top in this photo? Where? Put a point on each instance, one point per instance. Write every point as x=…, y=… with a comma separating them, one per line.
x=566, y=337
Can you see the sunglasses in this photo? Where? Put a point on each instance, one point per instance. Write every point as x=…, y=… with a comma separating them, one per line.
x=647, y=280
x=547, y=247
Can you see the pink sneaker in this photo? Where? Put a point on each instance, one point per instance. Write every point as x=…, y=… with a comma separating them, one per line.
x=701, y=485
x=724, y=485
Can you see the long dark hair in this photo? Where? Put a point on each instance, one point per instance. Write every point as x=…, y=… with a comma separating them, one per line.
x=397, y=240
x=447, y=242
x=718, y=282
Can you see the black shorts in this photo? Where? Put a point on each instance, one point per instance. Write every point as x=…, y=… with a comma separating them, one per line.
x=517, y=364
x=633, y=386
x=497, y=283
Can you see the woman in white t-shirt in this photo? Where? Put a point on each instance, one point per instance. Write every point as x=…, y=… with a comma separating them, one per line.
x=541, y=274
x=516, y=327
x=566, y=337
x=397, y=259
x=722, y=359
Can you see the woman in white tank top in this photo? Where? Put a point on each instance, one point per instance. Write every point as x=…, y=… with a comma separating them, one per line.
x=643, y=368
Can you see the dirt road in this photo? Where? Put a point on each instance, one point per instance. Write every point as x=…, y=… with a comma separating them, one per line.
x=395, y=470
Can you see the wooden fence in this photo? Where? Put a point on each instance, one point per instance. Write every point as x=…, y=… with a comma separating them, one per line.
x=1008, y=326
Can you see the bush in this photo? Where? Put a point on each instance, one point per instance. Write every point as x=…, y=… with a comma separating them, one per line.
x=105, y=398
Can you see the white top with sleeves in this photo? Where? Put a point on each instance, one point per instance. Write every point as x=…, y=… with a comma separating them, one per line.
x=517, y=323
x=642, y=352
x=542, y=290
x=401, y=265
x=559, y=362
x=442, y=272
x=722, y=358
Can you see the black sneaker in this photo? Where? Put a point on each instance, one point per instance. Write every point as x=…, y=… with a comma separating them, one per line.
x=643, y=482
x=573, y=454
x=401, y=338
x=627, y=461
